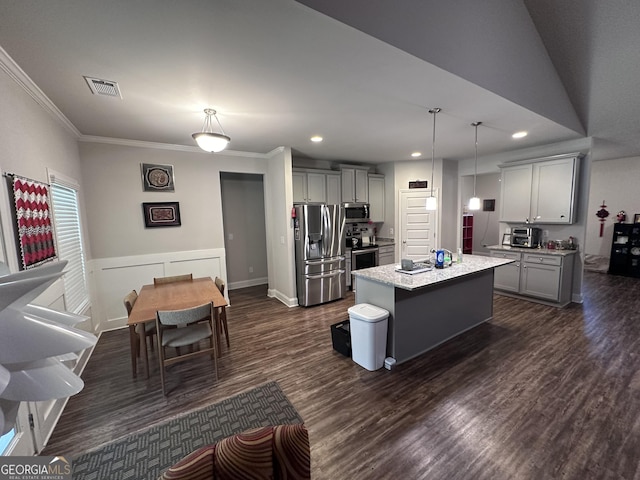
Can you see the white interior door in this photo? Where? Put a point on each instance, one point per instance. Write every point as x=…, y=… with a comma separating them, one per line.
x=417, y=224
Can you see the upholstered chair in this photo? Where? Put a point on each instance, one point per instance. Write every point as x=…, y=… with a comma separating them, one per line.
x=277, y=452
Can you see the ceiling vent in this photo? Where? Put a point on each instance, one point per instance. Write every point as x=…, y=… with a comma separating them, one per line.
x=103, y=87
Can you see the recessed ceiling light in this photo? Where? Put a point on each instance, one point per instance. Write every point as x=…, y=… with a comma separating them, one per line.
x=519, y=135
x=416, y=154
x=316, y=138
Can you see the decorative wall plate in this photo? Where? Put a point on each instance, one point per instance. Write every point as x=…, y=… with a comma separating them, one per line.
x=157, y=178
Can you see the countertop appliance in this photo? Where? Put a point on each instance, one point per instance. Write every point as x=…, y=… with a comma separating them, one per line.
x=356, y=212
x=319, y=246
x=528, y=237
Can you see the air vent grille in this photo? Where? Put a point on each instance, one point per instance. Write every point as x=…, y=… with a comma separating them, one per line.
x=103, y=87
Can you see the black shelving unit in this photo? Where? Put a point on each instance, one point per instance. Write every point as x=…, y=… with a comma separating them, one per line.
x=625, y=250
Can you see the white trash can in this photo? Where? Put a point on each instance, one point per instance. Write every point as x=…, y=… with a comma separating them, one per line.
x=368, y=335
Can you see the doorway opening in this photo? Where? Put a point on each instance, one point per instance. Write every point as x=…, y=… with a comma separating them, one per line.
x=245, y=235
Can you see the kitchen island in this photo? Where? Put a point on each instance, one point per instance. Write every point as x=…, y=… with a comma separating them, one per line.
x=427, y=309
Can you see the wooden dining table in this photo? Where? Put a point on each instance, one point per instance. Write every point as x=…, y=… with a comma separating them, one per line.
x=170, y=296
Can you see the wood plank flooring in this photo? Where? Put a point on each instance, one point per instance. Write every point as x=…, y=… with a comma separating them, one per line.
x=537, y=393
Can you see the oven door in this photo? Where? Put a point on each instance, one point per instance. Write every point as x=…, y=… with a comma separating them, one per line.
x=364, y=258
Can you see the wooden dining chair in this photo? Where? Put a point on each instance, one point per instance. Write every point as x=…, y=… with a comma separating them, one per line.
x=221, y=313
x=181, y=328
x=143, y=330
x=173, y=278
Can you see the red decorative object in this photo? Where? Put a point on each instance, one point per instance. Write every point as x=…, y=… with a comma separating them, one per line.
x=622, y=216
x=602, y=214
x=33, y=217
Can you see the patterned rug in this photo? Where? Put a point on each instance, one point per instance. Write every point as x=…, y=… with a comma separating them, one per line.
x=146, y=454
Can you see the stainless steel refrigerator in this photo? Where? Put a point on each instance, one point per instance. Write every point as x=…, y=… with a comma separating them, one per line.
x=320, y=262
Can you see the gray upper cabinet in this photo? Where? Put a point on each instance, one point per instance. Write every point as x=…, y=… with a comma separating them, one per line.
x=315, y=186
x=334, y=190
x=355, y=184
x=376, y=197
x=540, y=192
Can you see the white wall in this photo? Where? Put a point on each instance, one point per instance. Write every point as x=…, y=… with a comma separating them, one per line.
x=279, y=200
x=617, y=182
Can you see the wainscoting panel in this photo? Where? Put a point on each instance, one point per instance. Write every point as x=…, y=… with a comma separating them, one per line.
x=114, y=277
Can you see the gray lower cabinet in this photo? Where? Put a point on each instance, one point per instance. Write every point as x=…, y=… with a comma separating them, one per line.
x=386, y=255
x=507, y=277
x=536, y=275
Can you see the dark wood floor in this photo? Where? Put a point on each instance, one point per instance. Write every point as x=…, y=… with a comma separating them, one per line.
x=537, y=393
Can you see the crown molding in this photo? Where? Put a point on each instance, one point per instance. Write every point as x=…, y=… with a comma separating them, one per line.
x=23, y=81
x=166, y=146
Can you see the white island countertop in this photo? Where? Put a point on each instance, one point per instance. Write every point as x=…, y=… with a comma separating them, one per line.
x=387, y=274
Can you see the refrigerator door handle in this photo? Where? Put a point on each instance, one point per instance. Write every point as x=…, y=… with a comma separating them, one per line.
x=322, y=262
x=335, y=273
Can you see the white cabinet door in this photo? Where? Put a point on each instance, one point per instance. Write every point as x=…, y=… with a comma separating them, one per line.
x=362, y=186
x=299, y=181
x=334, y=196
x=507, y=277
x=376, y=198
x=553, y=191
x=516, y=194
x=316, y=187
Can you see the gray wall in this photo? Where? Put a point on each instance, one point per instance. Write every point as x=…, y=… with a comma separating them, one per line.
x=114, y=196
x=486, y=227
x=244, y=228
x=28, y=154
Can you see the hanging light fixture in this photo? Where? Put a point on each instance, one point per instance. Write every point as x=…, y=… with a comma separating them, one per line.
x=208, y=140
x=474, y=202
x=432, y=202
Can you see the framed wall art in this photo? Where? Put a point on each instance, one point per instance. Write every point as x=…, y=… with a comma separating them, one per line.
x=157, y=178
x=636, y=218
x=161, y=214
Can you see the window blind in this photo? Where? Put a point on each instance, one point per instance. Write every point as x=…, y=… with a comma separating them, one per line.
x=66, y=219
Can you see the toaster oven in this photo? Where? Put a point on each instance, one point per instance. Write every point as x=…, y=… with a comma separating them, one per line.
x=526, y=237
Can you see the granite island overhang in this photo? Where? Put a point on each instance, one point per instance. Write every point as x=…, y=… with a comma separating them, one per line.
x=429, y=308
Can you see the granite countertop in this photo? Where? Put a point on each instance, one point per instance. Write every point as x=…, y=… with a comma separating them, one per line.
x=541, y=251
x=388, y=275
x=384, y=243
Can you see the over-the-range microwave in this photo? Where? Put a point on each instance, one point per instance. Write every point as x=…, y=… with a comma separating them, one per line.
x=356, y=212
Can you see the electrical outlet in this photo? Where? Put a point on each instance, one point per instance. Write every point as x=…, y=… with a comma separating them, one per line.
x=250, y=269
x=391, y=232
x=231, y=236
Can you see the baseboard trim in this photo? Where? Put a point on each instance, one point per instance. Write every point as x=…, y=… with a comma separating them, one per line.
x=248, y=283
x=289, y=302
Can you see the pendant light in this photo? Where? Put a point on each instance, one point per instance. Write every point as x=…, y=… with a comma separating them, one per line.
x=474, y=202
x=208, y=140
x=432, y=202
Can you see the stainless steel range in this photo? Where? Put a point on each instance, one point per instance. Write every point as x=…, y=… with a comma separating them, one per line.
x=360, y=253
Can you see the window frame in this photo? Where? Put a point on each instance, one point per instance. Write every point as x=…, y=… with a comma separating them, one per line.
x=76, y=286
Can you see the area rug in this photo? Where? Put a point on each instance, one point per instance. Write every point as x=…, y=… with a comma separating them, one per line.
x=146, y=454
